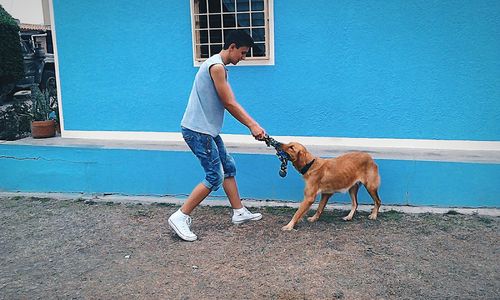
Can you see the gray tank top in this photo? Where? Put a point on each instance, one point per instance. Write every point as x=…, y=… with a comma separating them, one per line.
x=205, y=111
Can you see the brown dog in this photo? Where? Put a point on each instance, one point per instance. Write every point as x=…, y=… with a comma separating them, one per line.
x=328, y=176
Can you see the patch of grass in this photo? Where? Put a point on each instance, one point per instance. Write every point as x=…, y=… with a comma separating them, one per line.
x=17, y=198
x=445, y=226
x=429, y=218
x=162, y=204
x=392, y=215
x=11, y=203
x=424, y=231
x=279, y=210
x=331, y=216
x=326, y=217
x=361, y=213
x=43, y=200
x=485, y=220
x=64, y=203
x=442, y=222
x=141, y=213
x=218, y=208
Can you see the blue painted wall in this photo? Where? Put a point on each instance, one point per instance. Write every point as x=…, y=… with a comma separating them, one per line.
x=389, y=69
x=135, y=172
x=379, y=69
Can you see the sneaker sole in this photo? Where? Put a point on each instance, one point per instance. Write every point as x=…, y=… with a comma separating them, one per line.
x=244, y=221
x=188, y=239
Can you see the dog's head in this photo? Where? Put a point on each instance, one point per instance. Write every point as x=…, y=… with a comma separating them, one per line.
x=298, y=154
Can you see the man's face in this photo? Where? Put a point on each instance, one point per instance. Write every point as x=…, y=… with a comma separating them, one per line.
x=237, y=54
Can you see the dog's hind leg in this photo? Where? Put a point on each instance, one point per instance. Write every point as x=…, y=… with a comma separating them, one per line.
x=372, y=185
x=353, y=192
x=376, y=199
x=321, y=207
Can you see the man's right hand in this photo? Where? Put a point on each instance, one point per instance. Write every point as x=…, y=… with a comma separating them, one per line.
x=258, y=132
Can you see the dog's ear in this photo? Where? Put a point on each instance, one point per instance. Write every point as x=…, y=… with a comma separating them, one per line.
x=292, y=153
x=301, y=157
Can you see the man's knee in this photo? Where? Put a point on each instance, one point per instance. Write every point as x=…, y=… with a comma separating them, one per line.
x=214, y=180
x=229, y=166
x=218, y=183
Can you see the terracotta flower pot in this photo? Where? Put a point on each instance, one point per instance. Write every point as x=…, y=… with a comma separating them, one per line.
x=43, y=129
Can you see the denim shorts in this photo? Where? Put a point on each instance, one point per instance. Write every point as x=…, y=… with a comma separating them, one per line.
x=214, y=159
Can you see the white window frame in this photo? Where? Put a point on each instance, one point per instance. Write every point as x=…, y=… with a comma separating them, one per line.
x=250, y=61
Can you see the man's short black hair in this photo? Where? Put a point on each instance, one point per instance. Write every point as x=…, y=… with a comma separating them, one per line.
x=239, y=37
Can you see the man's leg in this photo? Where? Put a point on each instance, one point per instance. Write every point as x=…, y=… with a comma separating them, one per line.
x=240, y=213
x=231, y=190
x=205, y=149
x=199, y=193
x=229, y=167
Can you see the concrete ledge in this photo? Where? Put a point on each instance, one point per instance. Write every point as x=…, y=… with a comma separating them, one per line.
x=222, y=201
x=395, y=149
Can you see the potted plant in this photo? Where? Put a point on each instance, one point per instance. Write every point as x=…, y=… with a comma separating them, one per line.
x=41, y=125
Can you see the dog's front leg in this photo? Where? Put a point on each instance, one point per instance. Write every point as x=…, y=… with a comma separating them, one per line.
x=303, y=208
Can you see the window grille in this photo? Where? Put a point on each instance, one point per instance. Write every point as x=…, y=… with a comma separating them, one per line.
x=213, y=20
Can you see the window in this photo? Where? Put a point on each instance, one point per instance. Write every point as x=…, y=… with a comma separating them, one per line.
x=212, y=20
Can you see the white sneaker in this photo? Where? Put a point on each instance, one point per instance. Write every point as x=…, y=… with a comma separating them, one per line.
x=243, y=215
x=181, y=224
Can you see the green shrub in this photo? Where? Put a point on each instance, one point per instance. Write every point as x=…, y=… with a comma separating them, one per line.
x=15, y=121
x=11, y=59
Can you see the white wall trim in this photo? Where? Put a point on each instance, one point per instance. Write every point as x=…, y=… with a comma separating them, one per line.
x=56, y=64
x=401, y=149
x=124, y=135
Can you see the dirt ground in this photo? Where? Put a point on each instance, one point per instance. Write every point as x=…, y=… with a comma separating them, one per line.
x=52, y=249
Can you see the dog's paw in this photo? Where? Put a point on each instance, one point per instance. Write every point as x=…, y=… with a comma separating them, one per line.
x=312, y=219
x=287, y=228
x=347, y=218
x=372, y=217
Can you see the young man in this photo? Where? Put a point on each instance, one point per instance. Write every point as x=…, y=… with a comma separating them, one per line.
x=201, y=125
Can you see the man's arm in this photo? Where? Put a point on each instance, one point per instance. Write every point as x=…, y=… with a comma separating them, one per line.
x=226, y=95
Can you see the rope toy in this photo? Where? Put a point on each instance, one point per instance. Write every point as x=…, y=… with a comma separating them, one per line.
x=282, y=155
